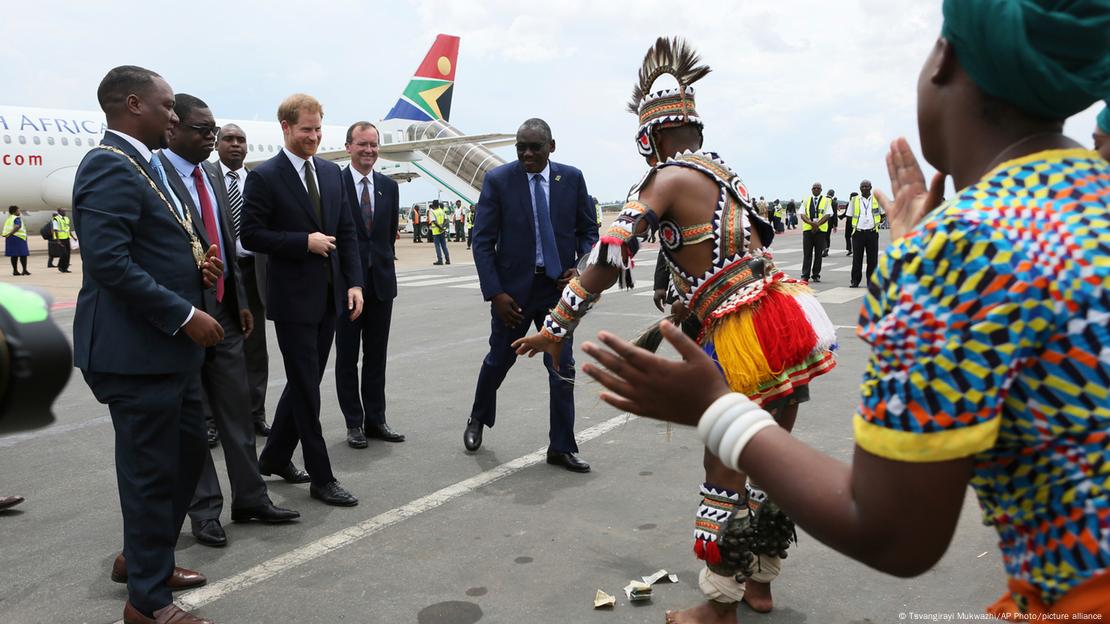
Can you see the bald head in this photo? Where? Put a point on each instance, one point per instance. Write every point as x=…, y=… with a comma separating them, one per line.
x=232, y=146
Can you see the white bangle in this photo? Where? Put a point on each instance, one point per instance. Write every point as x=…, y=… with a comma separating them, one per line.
x=729, y=424
x=731, y=457
x=713, y=413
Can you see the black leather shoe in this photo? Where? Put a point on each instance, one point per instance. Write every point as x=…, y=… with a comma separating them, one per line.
x=261, y=428
x=210, y=533
x=355, y=438
x=383, y=432
x=332, y=494
x=570, y=461
x=213, y=437
x=854, y=286
x=289, y=472
x=472, y=437
x=816, y=280
x=267, y=513
x=10, y=501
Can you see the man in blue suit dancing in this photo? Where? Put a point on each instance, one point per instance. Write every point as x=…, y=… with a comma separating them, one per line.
x=534, y=221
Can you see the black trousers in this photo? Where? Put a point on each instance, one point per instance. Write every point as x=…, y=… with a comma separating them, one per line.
x=864, y=241
x=253, y=271
x=60, y=249
x=160, y=446
x=847, y=236
x=813, y=245
x=362, y=398
x=501, y=357
x=304, y=349
x=224, y=379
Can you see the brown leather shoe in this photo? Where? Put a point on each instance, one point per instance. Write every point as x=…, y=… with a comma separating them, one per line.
x=169, y=614
x=181, y=578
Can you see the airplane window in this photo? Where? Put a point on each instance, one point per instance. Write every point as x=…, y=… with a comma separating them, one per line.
x=77, y=141
x=65, y=141
x=36, y=140
x=7, y=139
x=49, y=140
x=22, y=140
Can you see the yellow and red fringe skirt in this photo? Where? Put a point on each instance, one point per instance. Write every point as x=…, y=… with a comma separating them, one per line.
x=768, y=336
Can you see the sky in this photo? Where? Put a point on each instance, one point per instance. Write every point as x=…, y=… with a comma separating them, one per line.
x=801, y=90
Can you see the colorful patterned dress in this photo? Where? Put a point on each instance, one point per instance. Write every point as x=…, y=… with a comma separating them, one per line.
x=990, y=334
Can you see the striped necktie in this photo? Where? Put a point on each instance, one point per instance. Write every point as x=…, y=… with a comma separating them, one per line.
x=236, y=199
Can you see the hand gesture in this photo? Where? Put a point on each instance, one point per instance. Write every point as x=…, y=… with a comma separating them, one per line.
x=538, y=343
x=507, y=310
x=246, y=322
x=320, y=243
x=213, y=267
x=570, y=274
x=204, y=330
x=643, y=383
x=912, y=201
x=354, y=302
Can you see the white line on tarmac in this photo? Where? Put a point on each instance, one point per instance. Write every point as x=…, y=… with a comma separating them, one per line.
x=343, y=538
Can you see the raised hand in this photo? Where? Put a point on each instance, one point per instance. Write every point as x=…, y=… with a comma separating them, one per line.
x=912, y=200
x=213, y=267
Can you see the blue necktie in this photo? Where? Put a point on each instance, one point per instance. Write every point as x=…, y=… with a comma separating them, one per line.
x=551, y=262
x=157, y=164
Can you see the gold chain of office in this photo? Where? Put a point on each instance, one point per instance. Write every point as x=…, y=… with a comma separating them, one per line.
x=185, y=222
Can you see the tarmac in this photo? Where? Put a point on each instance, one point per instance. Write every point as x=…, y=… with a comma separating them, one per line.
x=446, y=537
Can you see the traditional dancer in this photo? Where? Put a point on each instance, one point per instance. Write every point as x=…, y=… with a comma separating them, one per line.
x=767, y=333
x=987, y=320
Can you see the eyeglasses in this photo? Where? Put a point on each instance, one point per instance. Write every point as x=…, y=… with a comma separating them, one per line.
x=203, y=130
x=535, y=147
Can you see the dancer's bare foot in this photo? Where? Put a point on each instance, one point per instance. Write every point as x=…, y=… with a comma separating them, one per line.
x=758, y=596
x=709, y=612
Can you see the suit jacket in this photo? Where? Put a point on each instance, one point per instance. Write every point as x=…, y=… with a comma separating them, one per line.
x=504, y=236
x=235, y=297
x=139, y=279
x=380, y=244
x=277, y=219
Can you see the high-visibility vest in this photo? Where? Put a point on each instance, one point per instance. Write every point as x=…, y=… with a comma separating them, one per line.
x=780, y=210
x=9, y=227
x=60, y=226
x=854, y=208
x=469, y=219
x=437, y=219
x=822, y=205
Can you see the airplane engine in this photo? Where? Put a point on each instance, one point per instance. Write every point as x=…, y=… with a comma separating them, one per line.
x=57, y=188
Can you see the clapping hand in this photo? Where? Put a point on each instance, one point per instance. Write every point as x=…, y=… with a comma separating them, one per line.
x=912, y=201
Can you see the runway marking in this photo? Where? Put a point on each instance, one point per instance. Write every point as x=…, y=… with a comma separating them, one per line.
x=840, y=294
x=214, y=591
x=444, y=280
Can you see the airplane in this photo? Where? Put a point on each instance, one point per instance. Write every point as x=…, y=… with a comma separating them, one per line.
x=41, y=148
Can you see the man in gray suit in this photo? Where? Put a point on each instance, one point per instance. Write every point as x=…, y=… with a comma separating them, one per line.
x=230, y=174
x=224, y=376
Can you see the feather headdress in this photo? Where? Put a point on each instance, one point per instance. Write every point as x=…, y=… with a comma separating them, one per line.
x=666, y=107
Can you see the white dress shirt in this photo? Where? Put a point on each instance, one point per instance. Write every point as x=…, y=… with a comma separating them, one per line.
x=298, y=166
x=185, y=169
x=358, y=178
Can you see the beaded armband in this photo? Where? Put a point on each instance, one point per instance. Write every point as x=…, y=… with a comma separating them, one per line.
x=617, y=246
x=572, y=306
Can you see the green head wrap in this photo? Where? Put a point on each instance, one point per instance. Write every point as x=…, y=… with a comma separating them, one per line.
x=1050, y=58
x=1104, y=120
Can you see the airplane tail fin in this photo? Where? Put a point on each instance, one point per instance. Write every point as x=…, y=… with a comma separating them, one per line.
x=428, y=95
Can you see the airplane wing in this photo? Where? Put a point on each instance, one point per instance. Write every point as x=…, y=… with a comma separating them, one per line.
x=483, y=139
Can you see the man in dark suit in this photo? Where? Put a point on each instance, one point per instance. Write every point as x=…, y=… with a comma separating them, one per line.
x=224, y=375
x=296, y=213
x=534, y=221
x=373, y=201
x=139, y=333
x=230, y=174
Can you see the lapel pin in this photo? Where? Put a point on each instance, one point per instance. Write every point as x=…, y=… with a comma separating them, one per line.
x=558, y=177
